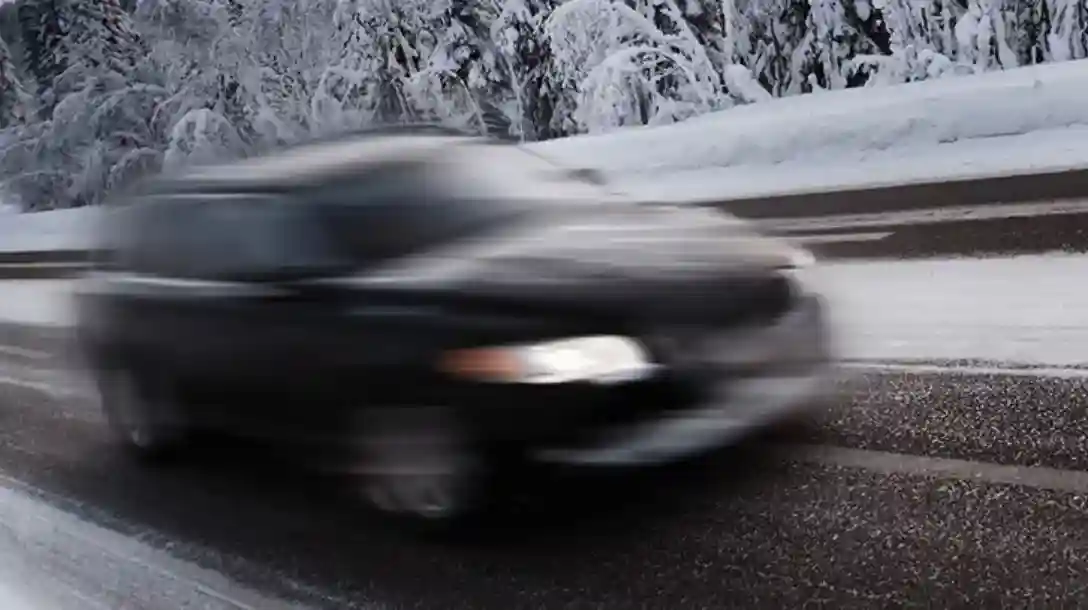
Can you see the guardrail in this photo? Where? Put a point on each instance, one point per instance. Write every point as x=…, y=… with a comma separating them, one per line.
x=44, y=264
x=1020, y=188
x=28, y=257
x=1062, y=185
x=42, y=271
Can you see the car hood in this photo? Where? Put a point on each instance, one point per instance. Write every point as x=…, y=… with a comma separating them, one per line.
x=640, y=257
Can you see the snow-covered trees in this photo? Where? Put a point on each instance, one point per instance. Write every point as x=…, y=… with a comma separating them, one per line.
x=638, y=63
x=96, y=94
x=93, y=107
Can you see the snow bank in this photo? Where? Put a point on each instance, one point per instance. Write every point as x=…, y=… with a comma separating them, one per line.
x=53, y=559
x=961, y=309
x=56, y=230
x=1037, y=151
x=838, y=125
x=37, y=302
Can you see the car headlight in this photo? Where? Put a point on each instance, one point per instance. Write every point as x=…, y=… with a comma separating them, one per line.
x=800, y=258
x=596, y=359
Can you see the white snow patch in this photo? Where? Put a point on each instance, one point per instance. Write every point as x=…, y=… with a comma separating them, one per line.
x=1024, y=309
x=37, y=302
x=55, y=230
x=61, y=561
x=10, y=598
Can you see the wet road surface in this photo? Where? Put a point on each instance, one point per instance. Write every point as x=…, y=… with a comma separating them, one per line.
x=901, y=493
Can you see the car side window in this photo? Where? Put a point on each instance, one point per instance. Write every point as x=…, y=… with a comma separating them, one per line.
x=216, y=237
x=141, y=236
x=252, y=237
x=265, y=237
x=234, y=236
x=380, y=214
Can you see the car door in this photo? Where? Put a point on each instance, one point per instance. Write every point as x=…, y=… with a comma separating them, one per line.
x=254, y=330
x=139, y=296
x=281, y=350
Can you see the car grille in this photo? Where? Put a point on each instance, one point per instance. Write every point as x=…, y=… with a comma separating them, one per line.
x=782, y=339
x=762, y=302
x=759, y=302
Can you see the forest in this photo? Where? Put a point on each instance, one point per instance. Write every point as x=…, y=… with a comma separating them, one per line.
x=95, y=94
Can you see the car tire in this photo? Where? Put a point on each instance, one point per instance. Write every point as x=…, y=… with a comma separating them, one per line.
x=137, y=412
x=424, y=469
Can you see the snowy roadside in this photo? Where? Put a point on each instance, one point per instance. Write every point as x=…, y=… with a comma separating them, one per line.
x=44, y=231
x=951, y=309
x=1021, y=309
x=51, y=559
x=838, y=126
x=37, y=302
x=1036, y=152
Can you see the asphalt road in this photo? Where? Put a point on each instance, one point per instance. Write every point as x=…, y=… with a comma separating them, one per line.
x=898, y=495
x=914, y=487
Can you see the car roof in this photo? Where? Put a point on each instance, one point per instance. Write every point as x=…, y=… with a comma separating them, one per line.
x=492, y=167
x=314, y=163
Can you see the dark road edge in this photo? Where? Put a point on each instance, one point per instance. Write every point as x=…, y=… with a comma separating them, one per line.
x=1021, y=188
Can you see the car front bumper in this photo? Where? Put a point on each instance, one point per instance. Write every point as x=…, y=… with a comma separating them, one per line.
x=785, y=369
x=747, y=406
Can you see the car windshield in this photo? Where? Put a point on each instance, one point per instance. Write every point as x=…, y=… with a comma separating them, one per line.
x=403, y=207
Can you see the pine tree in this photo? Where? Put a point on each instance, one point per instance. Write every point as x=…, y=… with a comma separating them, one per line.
x=12, y=95
x=377, y=57
x=43, y=37
x=835, y=33
x=518, y=39
x=235, y=12
x=101, y=37
x=1067, y=31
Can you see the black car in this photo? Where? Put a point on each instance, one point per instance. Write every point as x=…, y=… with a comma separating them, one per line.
x=410, y=307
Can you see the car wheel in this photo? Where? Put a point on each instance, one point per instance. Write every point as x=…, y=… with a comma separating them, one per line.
x=421, y=466
x=138, y=414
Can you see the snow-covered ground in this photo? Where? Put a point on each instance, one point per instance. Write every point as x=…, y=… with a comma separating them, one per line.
x=1039, y=151
x=1023, y=310
x=56, y=230
x=52, y=559
x=843, y=127
x=37, y=302
x=10, y=598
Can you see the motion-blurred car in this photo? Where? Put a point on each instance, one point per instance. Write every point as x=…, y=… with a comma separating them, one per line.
x=411, y=306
